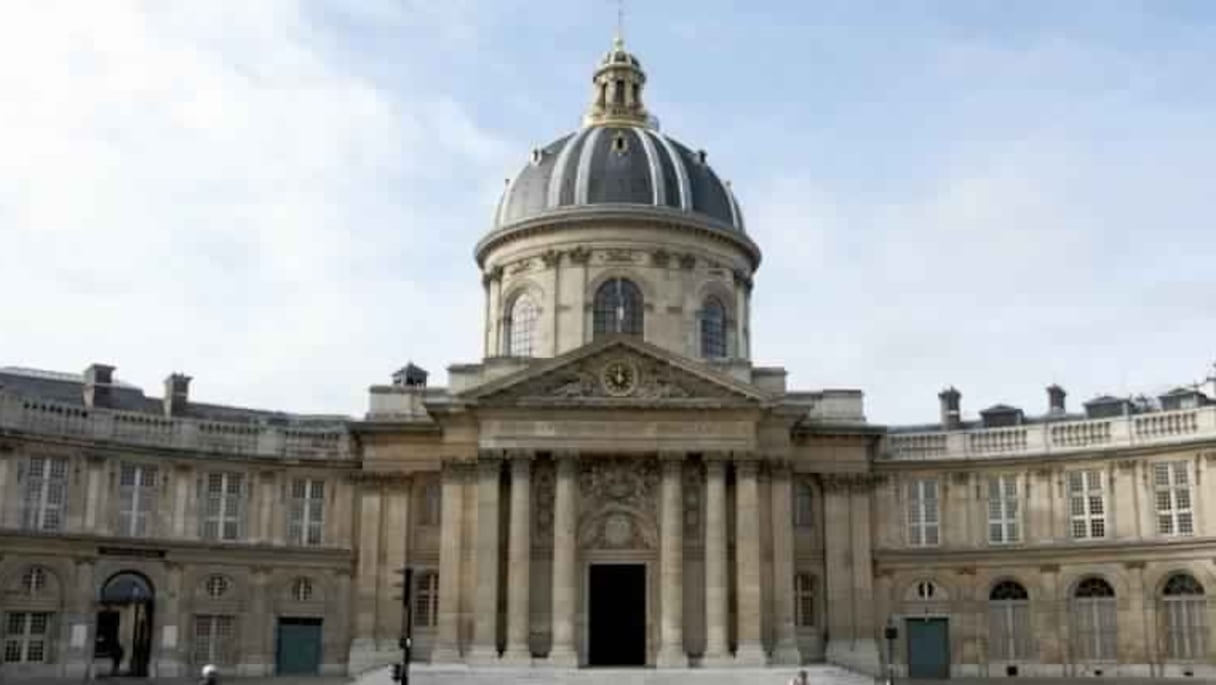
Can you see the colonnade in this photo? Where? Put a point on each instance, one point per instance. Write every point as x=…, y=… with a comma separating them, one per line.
x=671, y=648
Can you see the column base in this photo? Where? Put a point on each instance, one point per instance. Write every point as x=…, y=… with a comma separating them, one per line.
x=785, y=653
x=671, y=657
x=483, y=655
x=859, y=655
x=750, y=654
x=561, y=657
x=516, y=656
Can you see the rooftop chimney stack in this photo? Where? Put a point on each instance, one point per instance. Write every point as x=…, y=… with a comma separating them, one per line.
x=177, y=393
x=1055, y=400
x=97, y=381
x=951, y=417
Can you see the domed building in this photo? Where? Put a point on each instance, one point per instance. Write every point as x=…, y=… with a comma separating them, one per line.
x=614, y=484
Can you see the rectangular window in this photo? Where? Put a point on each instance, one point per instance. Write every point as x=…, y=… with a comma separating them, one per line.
x=1009, y=635
x=923, y=513
x=223, y=496
x=1186, y=633
x=1086, y=505
x=804, y=504
x=426, y=600
x=27, y=637
x=307, y=519
x=1172, y=488
x=804, y=599
x=136, y=499
x=1003, y=511
x=429, y=516
x=44, y=493
x=214, y=640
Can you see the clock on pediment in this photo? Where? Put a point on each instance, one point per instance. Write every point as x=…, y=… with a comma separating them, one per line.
x=619, y=377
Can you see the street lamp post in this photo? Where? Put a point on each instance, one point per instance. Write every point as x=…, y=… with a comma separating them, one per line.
x=401, y=671
x=890, y=632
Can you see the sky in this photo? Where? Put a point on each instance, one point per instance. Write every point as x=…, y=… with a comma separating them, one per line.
x=280, y=198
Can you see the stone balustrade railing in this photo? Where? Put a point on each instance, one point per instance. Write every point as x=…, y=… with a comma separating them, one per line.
x=1156, y=428
x=327, y=439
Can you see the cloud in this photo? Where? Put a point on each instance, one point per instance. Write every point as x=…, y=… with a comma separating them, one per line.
x=199, y=185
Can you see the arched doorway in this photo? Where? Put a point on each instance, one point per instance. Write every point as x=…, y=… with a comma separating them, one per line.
x=124, y=623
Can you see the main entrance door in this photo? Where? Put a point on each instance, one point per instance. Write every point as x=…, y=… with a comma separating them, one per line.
x=617, y=615
x=928, y=648
x=124, y=624
x=299, y=646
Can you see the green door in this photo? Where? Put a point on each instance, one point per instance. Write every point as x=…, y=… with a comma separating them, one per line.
x=928, y=648
x=299, y=646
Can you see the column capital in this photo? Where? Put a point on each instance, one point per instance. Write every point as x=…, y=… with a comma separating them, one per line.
x=720, y=457
x=747, y=467
x=490, y=454
x=517, y=455
x=672, y=456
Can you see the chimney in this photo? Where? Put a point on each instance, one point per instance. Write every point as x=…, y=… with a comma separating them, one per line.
x=97, y=381
x=1055, y=400
x=177, y=393
x=951, y=418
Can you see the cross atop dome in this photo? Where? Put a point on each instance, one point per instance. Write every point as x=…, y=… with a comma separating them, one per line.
x=619, y=79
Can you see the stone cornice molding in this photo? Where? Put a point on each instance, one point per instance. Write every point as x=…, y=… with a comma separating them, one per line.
x=380, y=478
x=845, y=482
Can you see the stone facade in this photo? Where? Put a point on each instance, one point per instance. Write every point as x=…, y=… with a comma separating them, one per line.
x=614, y=483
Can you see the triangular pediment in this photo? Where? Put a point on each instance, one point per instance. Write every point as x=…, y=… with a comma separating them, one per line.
x=615, y=372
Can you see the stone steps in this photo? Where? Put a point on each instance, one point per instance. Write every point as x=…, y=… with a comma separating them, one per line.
x=423, y=674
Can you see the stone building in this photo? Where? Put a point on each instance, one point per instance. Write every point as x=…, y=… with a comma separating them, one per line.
x=614, y=483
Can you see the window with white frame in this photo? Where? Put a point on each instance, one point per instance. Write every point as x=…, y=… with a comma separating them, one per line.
x=33, y=582
x=804, y=504
x=27, y=637
x=136, y=499
x=306, y=518
x=1009, y=635
x=301, y=590
x=1003, y=511
x=923, y=514
x=804, y=599
x=223, y=497
x=214, y=639
x=44, y=493
x=1185, y=616
x=430, y=507
x=713, y=329
x=426, y=600
x=1172, y=488
x=1086, y=505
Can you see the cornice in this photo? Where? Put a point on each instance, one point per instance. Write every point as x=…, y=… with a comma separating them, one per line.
x=574, y=218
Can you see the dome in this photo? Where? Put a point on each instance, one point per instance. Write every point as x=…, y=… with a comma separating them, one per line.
x=618, y=158
x=618, y=164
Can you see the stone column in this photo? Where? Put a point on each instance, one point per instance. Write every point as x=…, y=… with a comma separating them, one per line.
x=750, y=651
x=785, y=647
x=485, y=619
x=519, y=556
x=363, y=647
x=716, y=649
x=447, y=637
x=394, y=535
x=671, y=565
x=849, y=583
x=565, y=593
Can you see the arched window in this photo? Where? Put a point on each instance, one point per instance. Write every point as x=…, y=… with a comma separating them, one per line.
x=804, y=599
x=804, y=504
x=1009, y=634
x=1095, y=620
x=1183, y=609
x=618, y=308
x=926, y=590
x=216, y=586
x=713, y=329
x=520, y=327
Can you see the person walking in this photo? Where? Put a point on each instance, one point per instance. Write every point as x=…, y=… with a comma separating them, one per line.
x=211, y=675
x=800, y=679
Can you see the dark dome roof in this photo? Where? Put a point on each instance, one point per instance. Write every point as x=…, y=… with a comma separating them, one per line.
x=603, y=165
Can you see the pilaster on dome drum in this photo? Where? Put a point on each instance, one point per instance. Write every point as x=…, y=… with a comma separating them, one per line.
x=657, y=188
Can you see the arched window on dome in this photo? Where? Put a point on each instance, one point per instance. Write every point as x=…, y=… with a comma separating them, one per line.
x=1184, y=610
x=618, y=308
x=520, y=327
x=713, y=329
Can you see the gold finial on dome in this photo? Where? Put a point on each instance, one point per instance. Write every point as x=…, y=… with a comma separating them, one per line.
x=618, y=80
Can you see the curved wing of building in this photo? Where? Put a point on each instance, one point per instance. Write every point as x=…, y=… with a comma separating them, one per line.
x=615, y=483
